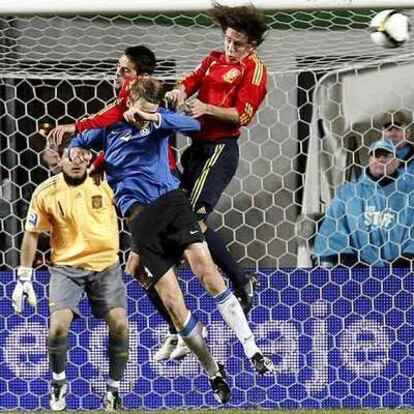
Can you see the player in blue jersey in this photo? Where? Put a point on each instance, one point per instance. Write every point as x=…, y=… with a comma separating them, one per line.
x=163, y=226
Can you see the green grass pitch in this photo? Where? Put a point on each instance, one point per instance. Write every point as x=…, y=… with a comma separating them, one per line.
x=241, y=411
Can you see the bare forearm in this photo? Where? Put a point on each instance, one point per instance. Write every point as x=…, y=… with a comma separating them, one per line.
x=197, y=108
x=28, y=248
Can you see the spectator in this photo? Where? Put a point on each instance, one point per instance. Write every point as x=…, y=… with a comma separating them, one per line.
x=396, y=127
x=369, y=222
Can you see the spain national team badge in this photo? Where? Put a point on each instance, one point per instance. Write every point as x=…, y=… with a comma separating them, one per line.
x=231, y=75
x=97, y=201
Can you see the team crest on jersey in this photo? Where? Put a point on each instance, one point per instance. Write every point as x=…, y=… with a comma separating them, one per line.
x=97, y=201
x=144, y=132
x=231, y=75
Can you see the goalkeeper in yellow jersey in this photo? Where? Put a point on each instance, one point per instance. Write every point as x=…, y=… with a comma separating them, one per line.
x=82, y=222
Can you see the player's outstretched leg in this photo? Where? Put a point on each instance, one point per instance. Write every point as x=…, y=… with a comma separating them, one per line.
x=232, y=313
x=172, y=342
x=190, y=330
x=243, y=284
x=192, y=334
x=199, y=259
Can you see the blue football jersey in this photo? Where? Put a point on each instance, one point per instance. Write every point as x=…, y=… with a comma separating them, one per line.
x=136, y=160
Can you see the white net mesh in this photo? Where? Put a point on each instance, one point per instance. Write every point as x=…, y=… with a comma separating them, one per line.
x=338, y=339
x=58, y=69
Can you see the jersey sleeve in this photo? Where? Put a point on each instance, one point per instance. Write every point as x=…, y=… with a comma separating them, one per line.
x=252, y=91
x=90, y=139
x=193, y=80
x=109, y=115
x=170, y=121
x=37, y=219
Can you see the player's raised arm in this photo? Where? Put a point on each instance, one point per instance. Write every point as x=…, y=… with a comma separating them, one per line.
x=196, y=108
x=90, y=139
x=136, y=61
x=108, y=116
x=58, y=133
x=178, y=122
x=176, y=96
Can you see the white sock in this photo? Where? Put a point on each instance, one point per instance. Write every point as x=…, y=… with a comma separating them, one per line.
x=235, y=318
x=114, y=384
x=59, y=377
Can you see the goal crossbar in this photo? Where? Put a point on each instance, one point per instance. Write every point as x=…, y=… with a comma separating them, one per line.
x=46, y=7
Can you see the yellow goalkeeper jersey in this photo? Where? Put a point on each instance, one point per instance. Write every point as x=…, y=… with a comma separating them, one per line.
x=81, y=219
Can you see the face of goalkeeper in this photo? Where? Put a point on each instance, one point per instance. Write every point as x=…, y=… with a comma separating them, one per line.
x=236, y=45
x=74, y=169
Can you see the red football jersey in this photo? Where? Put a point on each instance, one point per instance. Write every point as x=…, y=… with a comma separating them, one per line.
x=110, y=114
x=114, y=113
x=241, y=85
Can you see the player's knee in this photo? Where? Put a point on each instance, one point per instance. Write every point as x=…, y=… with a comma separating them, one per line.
x=119, y=328
x=58, y=329
x=60, y=321
x=132, y=266
x=117, y=322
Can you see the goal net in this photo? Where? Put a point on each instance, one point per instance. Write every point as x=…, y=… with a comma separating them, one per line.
x=330, y=89
x=323, y=69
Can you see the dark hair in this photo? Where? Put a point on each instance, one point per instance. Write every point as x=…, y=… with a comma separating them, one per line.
x=151, y=89
x=143, y=59
x=245, y=19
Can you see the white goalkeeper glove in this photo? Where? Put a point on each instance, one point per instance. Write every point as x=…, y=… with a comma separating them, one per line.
x=23, y=288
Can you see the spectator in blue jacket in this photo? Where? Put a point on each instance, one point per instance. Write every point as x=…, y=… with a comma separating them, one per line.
x=370, y=221
x=396, y=126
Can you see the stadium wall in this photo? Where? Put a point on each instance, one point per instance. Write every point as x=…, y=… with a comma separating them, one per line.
x=339, y=339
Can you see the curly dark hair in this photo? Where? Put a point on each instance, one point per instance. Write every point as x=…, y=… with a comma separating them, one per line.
x=245, y=19
x=151, y=89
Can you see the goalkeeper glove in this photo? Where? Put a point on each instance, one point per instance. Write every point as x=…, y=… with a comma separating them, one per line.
x=24, y=287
